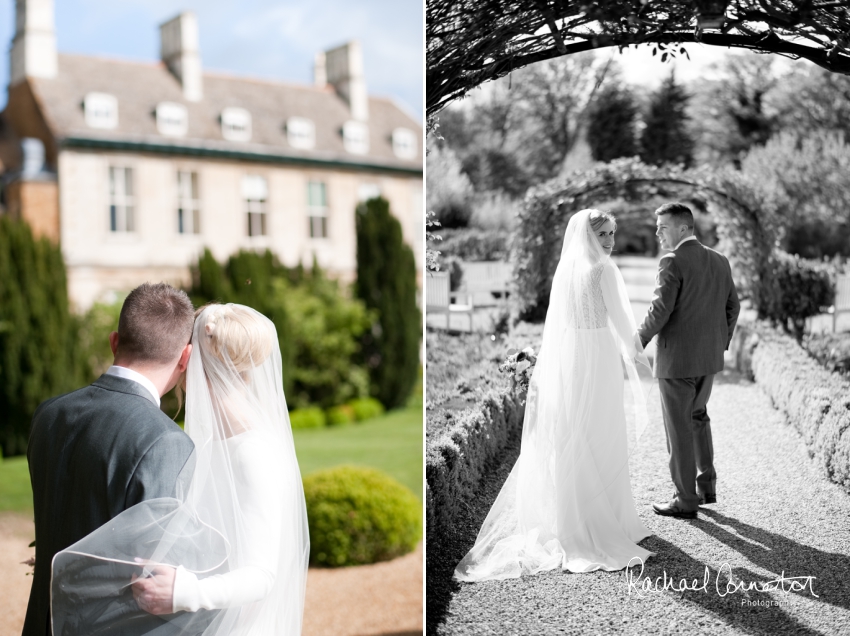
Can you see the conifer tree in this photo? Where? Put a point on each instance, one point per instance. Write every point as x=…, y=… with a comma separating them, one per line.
x=37, y=332
x=386, y=282
x=665, y=138
x=611, y=124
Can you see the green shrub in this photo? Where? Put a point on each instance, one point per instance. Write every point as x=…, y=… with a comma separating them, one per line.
x=310, y=417
x=326, y=327
x=319, y=326
x=359, y=515
x=802, y=289
x=366, y=409
x=94, y=328
x=339, y=415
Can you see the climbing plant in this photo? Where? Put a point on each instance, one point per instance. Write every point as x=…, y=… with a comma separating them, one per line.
x=746, y=224
x=472, y=41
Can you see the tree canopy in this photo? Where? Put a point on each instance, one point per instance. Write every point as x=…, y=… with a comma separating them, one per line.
x=471, y=42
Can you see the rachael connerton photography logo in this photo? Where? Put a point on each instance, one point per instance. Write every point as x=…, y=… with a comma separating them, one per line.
x=640, y=585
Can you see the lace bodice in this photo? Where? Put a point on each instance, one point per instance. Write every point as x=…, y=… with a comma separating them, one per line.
x=586, y=304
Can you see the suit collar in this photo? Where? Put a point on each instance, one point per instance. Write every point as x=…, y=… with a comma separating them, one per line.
x=123, y=385
x=690, y=241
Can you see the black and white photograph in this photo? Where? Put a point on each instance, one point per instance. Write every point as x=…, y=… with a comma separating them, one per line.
x=637, y=317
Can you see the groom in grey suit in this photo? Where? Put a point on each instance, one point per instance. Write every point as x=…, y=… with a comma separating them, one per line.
x=693, y=314
x=102, y=449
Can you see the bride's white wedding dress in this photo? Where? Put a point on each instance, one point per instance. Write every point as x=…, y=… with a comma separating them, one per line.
x=567, y=503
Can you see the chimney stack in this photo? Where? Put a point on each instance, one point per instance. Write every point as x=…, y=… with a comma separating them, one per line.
x=180, y=51
x=343, y=69
x=320, y=76
x=33, y=51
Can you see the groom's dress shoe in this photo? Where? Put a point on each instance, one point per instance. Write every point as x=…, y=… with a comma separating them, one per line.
x=672, y=510
x=707, y=499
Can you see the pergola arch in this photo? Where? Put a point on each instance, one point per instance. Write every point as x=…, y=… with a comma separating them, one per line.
x=746, y=224
x=472, y=41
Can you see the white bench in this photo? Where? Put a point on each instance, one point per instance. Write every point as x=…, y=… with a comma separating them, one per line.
x=438, y=298
x=842, y=299
x=486, y=277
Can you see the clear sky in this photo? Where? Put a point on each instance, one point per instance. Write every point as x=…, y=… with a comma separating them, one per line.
x=641, y=67
x=273, y=39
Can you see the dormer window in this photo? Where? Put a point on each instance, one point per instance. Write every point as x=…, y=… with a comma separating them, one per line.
x=101, y=110
x=404, y=143
x=300, y=133
x=355, y=137
x=236, y=124
x=172, y=120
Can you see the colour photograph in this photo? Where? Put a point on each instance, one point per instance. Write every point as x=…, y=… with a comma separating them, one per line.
x=211, y=361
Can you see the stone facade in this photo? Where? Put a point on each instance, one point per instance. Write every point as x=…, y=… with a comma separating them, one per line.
x=113, y=136
x=100, y=260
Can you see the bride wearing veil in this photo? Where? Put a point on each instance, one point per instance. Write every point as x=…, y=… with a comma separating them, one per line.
x=567, y=502
x=228, y=555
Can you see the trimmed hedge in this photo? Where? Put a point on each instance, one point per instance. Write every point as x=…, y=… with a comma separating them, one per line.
x=832, y=350
x=815, y=401
x=311, y=417
x=457, y=457
x=366, y=408
x=339, y=415
x=359, y=515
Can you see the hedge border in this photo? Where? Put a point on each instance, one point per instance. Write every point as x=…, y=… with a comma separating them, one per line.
x=815, y=401
x=456, y=459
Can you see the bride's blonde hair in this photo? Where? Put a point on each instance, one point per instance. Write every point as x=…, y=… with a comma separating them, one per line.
x=598, y=218
x=237, y=336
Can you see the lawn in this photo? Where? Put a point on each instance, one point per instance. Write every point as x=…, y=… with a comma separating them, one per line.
x=15, y=491
x=392, y=443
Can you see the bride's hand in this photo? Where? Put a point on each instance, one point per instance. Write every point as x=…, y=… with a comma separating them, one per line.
x=641, y=358
x=154, y=593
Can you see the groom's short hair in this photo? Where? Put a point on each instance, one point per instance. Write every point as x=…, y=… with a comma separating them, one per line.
x=679, y=212
x=155, y=324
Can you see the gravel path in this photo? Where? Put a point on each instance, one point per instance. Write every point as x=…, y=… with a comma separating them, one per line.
x=383, y=599
x=775, y=515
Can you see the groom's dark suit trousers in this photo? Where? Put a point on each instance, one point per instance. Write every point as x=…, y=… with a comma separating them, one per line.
x=688, y=428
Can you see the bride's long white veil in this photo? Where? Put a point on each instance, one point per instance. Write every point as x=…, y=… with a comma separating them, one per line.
x=239, y=511
x=555, y=482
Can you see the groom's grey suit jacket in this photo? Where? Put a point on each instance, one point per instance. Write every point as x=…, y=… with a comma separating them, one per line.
x=92, y=454
x=693, y=312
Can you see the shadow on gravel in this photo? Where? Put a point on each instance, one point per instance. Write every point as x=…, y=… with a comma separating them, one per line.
x=450, y=548
x=779, y=555
x=750, y=612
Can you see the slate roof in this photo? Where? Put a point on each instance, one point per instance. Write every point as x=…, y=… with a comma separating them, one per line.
x=139, y=87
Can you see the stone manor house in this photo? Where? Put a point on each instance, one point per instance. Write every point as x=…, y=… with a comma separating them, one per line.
x=133, y=167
